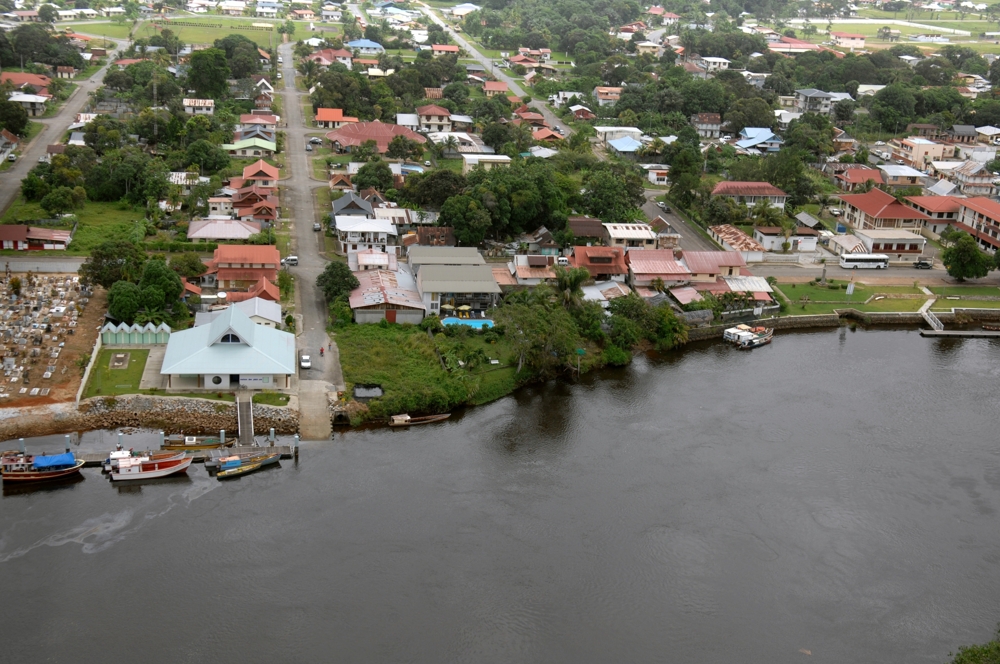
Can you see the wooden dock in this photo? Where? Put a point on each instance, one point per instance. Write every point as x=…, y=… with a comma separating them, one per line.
x=92, y=460
x=962, y=334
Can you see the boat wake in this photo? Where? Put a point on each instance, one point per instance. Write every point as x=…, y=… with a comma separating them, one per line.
x=100, y=533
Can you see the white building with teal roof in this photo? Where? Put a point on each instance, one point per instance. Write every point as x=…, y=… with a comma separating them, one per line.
x=228, y=352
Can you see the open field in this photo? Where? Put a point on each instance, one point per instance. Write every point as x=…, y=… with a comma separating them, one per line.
x=817, y=293
x=204, y=31
x=105, y=29
x=107, y=381
x=968, y=291
x=948, y=305
x=99, y=222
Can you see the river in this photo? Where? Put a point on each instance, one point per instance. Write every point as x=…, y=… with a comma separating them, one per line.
x=834, y=493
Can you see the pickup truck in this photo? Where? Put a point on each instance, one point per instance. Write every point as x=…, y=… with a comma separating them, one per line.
x=923, y=264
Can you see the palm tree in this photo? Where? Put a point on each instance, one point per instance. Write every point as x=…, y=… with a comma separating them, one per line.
x=450, y=144
x=763, y=214
x=824, y=202
x=568, y=282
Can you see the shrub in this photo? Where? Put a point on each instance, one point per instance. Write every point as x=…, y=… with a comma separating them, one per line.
x=616, y=357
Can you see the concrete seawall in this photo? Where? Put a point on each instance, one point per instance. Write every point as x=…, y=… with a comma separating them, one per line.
x=842, y=315
x=171, y=414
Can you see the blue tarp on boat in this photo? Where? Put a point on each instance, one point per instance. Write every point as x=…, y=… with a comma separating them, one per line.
x=57, y=461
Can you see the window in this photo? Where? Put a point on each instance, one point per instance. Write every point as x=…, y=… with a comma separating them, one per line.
x=216, y=380
x=229, y=339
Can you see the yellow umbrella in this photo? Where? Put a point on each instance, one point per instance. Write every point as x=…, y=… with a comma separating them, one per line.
x=447, y=306
x=465, y=307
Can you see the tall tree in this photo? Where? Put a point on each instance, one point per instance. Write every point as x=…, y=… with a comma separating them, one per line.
x=336, y=281
x=965, y=260
x=112, y=261
x=376, y=174
x=208, y=72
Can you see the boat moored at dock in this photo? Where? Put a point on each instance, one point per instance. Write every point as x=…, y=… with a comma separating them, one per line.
x=136, y=468
x=236, y=466
x=194, y=443
x=21, y=467
x=746, y=337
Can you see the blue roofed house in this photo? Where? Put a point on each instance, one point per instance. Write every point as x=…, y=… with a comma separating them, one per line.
x=231, y=350
x=365, y=47
x=626, y=146
x=759, y=138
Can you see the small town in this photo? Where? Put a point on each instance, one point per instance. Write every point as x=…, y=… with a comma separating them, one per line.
x=246, y=224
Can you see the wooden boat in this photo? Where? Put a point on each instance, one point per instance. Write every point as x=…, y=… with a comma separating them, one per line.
x=761, y=337
x=193, y=443
x=144, y=469
x=991, y=328
x=405, y=420
x=21, y=467
x=215, y=462
x=112, y=461
x=236, y=467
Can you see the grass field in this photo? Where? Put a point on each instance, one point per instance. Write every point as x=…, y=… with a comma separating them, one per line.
x=817, y=293
x=969, y=291
x=948, y=305
x=109, y=29
x=99, y=222
x=107, y=381
x=204, y=32
x=52, y=109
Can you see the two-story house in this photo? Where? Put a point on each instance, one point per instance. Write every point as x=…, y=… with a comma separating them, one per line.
x=848, y=40
x=750, y=193
x=607, y=96
x=357, y=233
x=811, y=100
x=708, y=125
x=877, y=209
x=629, y=236
x=242, y=265
x=899, y=177
x=332, y=118
x=199, y=106
x=974, y=179
x=434, y=118
x=980, y=218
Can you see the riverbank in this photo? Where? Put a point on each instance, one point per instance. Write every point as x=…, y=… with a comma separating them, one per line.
x=169, y=414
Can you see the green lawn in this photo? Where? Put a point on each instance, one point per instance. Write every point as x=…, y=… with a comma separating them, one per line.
x=107, y=381
x=450, y=164
x=948, y=305
x=52, y=110
x=34, y=129
x=87, y=72
x=109, y=29
x=271, y=398
x=202, y=33
x=796, y=309
x=966, y=290
x=99, y=222
x=862, y=292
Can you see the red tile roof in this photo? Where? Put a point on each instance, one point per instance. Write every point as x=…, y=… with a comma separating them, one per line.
x=861, y=175
x=17, y=79
x=261, y=170
x=725, y=188
x=937, y=203
x=332, y=115
x=584, y=257
x=246, y=274
x=353, y=135
x=880, y=205
x=652, y=263
x=983, y=205
x=258, y=118
x=444, y=48
x=247, y=253
x=495, y=86
x=263, y=289
x=433, y=109
x=545, y=134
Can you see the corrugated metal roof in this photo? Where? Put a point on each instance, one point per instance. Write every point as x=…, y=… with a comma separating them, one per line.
x=434, y=255
x=748, y=284
x=199, y=351
x=456, y=279
x=710, y=262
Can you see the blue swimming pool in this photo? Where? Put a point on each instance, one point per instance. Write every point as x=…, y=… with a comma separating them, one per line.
x=478, y=323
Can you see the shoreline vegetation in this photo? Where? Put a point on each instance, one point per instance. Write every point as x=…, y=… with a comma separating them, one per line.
x=430, y=369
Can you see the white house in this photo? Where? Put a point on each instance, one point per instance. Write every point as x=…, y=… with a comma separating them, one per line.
x=357, y=233
x=199, y=106
x=773, y=237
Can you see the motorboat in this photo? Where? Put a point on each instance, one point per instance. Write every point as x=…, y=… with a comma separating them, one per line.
x=20, y=467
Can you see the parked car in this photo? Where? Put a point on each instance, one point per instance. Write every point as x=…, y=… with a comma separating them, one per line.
x=12, y=157
x=317, y=227
x=309, y=147
x=42, y=159
x=305, y=362
x=316, y=140
x=666, y=208
x=879, y=142
x=836, y=212
x=427, y=163
x=923, y=264
x=661, y=205
x=291, y=260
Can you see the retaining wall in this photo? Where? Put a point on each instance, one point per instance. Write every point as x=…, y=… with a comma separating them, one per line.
x=171, y=414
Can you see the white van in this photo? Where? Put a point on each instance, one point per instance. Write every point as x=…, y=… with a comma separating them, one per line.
x=563, y=261
x=291, y=260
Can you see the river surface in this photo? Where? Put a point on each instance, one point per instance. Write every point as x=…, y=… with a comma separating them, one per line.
x=835, y=493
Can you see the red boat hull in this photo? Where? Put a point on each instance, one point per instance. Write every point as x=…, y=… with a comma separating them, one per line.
x=42, y=475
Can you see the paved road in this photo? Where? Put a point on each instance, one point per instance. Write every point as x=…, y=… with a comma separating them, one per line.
x=10, y=180
x=515, y=89
x=326, y=374
x=691, y=239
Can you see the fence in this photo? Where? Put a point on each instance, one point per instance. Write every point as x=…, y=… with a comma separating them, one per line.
x=127, y=335
x=86, y=372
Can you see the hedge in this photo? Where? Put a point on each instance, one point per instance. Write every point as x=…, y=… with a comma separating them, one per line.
x=200, y=247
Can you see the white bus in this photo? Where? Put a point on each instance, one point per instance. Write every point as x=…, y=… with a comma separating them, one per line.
x=854, y=261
